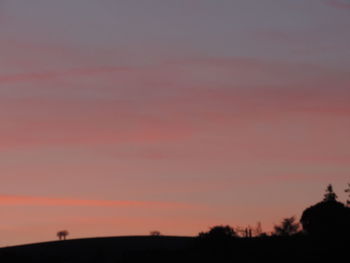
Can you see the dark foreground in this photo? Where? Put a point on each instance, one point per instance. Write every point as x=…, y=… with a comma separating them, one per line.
x=179, y=249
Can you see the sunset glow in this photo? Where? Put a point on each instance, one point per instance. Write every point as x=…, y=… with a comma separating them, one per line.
x=122, y=117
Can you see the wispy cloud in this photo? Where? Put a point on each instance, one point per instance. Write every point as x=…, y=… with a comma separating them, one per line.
x=14, y=200
x=24, y=77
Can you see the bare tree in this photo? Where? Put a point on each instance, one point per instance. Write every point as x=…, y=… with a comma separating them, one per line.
x=240, y=231
x=62, y=235
x=258, y=229
x=249, y=231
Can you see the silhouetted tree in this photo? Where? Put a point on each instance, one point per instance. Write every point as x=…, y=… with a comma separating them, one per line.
x=330, y=195
x=219, y=232
x=348, y=191
x=247, y=231
x=258, y=229
x=62, y=235
x=327, y=218
x=264, y=235
x=155, y=233
x=288, y=227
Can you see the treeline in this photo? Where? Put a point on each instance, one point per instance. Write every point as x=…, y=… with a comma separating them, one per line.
x=321, y=235
x=328, y=218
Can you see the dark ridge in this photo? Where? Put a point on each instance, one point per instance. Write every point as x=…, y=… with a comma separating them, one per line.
x=105, y=249
x=298, y=248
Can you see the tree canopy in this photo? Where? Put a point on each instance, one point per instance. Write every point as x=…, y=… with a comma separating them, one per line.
x=219, y=232
x=288, y=227
x=327, y=218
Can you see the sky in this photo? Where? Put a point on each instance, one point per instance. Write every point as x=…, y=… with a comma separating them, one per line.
x=119, y=117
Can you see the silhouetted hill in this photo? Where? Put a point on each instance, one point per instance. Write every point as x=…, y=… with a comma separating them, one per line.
x=169, y=249
x=109, y=249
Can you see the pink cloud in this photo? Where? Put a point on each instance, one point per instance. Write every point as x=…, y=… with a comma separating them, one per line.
x=11, y=200
x=166, y=103
x=26, y=77
x=101, y=128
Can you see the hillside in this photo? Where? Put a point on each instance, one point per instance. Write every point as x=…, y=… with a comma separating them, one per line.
x=178, y=249
x=109, y=249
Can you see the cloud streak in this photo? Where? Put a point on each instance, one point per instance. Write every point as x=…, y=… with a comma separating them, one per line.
x=14, y=200
x=24, y=77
